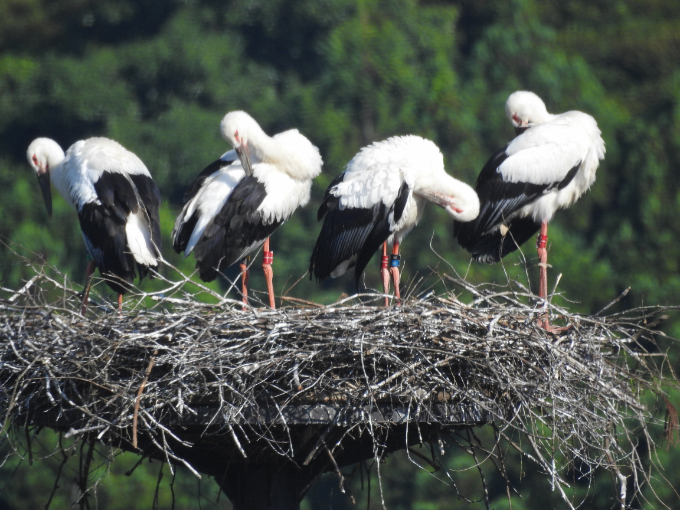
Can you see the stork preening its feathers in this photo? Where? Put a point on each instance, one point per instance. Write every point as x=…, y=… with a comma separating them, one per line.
x=237, y=202
x=378, y=199
x=116, y=200
x=547, y=167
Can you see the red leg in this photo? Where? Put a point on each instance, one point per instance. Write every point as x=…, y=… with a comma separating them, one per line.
x=267, y=260
x=245, y=275
x=120, y=304
x=89, y=271
x=541, y=245
x=385, y=273
x=394, y=269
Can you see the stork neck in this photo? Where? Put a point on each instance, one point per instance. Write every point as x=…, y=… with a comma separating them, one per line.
x=55, y=161
x=547, y=117
x=277, y=154
x=264, y=146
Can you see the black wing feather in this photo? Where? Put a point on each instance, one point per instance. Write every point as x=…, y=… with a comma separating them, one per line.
x=196, y=184
x=184, y=227
x=329, y=201
x=103, y=225
x=150, y=198
x=236, y=230
x=500, y=200
x=352, y=233
x=182, y=231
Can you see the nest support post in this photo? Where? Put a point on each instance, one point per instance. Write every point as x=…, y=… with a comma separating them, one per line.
x=266, y=480
x=270, y=486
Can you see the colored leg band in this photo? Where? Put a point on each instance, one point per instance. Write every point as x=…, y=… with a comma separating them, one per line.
x=267, y=258
x=394, y=260
x=542, y=241
x=385, y=262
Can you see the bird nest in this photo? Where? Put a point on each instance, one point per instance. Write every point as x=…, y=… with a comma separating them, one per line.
x=173, y=373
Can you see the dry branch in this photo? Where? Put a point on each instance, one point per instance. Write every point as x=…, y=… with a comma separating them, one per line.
x=252, y=378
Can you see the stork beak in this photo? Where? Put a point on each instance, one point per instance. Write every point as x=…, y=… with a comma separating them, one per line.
x=520, y=129
x=45, y=187
x=244, y=156
x=440, y=199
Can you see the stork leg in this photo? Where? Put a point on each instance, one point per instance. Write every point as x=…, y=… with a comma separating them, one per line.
x=385, y=273
x=394, y=269
x=120, y=304
x=542, y=247
x=89, y=271
x=267, y=259
x=245, y=275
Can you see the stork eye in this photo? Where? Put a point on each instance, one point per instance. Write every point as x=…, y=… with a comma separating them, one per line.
x=516, y=119
x=35, y=160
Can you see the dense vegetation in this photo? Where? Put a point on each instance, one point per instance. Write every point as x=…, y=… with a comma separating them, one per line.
x=158, y=76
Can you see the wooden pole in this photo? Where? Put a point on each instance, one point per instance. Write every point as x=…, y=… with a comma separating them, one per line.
x=265, y=487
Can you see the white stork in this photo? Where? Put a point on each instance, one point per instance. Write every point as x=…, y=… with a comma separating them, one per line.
x=238, y=201
x=547, y=167
x=378, y=199
x=116, y=200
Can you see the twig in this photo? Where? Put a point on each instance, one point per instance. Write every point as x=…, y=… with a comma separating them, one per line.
x=612, y=303
x=57, y=476
x=260, y=376
x=139, y=397
x=341, y=478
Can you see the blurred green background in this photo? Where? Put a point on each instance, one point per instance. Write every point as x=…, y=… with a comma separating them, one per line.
x=158, y=75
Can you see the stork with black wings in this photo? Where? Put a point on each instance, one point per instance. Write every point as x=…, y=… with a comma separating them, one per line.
x=547, y=167
x=378, y=200
x=116, y=200
x=237, y=202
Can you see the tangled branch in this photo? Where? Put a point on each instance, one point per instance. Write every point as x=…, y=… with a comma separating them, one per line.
x=173, y=363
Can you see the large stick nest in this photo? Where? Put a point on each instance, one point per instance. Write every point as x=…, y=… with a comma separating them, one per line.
x=247, y=375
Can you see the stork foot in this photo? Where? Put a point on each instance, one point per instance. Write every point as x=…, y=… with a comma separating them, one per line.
x=544, y=323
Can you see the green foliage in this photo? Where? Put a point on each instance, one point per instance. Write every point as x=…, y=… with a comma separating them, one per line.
x=118, y=485
x=158, y=76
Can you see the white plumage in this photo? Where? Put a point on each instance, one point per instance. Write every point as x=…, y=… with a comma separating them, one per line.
x=211, y=197
x=380, y=198
x=116, y=200
x=238, y=201
x=547, y=167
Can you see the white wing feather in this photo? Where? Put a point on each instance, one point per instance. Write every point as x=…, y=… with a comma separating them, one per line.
x=210, y=199
x=544, y=154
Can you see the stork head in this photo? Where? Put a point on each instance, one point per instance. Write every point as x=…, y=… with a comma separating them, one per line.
x=238, y=128
x=433, y=183
x=458, y=199
x=525, y=109
x=44, y=154
x=462, y=202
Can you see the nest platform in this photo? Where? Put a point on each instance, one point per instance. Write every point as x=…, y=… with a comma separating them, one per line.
x=267, y=400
